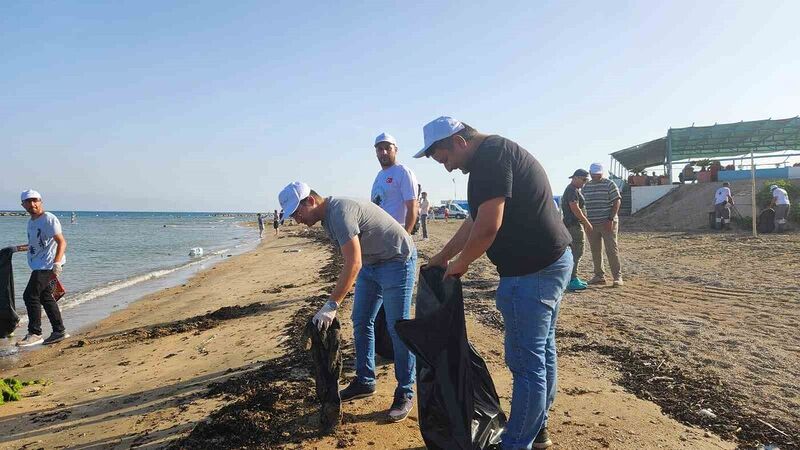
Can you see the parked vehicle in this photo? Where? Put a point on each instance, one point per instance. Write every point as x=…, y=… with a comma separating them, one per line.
x=456, y=211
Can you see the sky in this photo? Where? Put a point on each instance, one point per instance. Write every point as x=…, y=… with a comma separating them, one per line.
x=215, y=106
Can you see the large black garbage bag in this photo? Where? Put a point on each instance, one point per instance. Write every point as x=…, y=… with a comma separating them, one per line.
x=458, y=404
x=383, y=342
x=325, y=347
x=766, y=221
x=8, y=310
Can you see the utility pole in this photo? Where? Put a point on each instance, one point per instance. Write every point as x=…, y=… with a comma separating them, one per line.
x=753, y=192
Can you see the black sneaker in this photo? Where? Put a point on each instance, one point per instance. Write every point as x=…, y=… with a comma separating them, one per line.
x=356, y=390
x=56, y=337
x=542, y=439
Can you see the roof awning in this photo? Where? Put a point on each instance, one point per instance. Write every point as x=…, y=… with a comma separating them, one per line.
x=715, y=141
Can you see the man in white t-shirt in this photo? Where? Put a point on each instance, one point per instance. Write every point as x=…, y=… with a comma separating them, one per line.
x=395, y=187
x=780, y=201
x=424, y=209
x=46, y=249
x=723, y=200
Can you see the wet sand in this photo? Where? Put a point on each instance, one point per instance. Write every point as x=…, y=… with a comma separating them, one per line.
x=224, y=348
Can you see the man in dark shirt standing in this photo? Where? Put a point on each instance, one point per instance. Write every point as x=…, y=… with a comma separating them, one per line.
x=573, y=206
x=514, y=221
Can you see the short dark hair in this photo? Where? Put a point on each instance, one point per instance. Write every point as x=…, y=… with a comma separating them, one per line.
x=468, y=133
x=314, y=194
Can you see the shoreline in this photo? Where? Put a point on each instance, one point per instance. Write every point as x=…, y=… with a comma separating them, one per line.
x=85, y=309
x=145, y=354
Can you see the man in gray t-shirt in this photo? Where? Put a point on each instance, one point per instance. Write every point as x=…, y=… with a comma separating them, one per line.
x=380, y=257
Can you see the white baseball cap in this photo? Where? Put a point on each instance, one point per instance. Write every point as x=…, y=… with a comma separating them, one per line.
x=28, y=194
x=383, y=137
x=291, y=195
x=438, y=129
x=773, y=187
x=596, y=169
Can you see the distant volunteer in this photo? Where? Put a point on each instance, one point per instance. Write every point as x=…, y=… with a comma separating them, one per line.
x=46, y=249
x=573, y=208
x=424, y=210
x=780, y=201
x=602, y=208
x=395, y=186
x=723, y=200
x=380, y=257
x=514, y=220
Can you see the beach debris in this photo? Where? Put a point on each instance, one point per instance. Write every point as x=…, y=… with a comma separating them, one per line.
x=706, y=413
x=773, y=427
x=196, y=252
x=10, y=388
x=196, y=324
x=292, y=250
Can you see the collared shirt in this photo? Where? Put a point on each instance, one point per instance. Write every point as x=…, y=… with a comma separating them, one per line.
x=600, y=196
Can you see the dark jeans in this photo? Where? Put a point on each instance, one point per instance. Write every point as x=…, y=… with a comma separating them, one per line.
x=39, y=294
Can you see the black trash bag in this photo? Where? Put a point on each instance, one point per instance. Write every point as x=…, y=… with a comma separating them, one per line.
x=8, y=310
x=766, y=221
x=325, y=347
x=383, y=342
x=458, y=404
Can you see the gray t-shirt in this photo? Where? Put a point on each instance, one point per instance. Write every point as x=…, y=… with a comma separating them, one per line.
x=382, y=238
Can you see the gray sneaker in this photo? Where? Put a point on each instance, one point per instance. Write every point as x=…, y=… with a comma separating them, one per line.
x=598, y=279
x=56, y=337
x=30, y=339
x=401, y=406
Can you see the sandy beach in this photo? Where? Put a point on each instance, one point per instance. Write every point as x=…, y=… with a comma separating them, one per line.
x=217, y=362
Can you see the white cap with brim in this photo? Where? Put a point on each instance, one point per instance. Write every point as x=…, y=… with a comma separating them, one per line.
x=29, y=194
x=773, y=187
x=596, y=169
x=438, y=129
x=383, y=137
x=291, y=195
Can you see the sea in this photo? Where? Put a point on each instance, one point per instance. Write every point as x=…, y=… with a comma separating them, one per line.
x=115, y=258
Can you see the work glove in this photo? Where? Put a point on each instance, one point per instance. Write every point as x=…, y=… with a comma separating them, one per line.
x=57, y=270
x=324, y=318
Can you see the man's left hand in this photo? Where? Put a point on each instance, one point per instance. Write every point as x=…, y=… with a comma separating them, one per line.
x=57, y=270
x=456, y=268
x=608, y=227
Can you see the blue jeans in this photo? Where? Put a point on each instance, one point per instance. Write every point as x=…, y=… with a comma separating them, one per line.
x=529, y=305
x=390, y=283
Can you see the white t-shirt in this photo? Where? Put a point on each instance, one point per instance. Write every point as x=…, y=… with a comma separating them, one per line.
x=392, y=188
x=781, y=197
x=424, y=207
x=41, y=245
x=722, y=195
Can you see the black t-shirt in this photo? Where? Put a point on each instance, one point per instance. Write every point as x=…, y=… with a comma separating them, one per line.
x=571, y=194
x=532, y=235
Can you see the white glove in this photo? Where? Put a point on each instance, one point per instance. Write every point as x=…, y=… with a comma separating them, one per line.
x=324, y=318
x=57, y=270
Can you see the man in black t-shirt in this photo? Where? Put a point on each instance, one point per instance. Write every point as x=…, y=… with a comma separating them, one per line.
x=574, y=211
x=514, y=220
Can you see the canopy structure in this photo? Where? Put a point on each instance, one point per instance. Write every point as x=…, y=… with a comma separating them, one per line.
x=716, y=141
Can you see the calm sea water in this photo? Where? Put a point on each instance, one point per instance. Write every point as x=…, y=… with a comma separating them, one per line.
x=126, y=255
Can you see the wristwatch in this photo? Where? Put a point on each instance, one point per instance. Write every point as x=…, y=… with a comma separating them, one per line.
x=332, y=304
